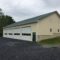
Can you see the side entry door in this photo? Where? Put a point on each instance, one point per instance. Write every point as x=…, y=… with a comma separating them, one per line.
x=34, y=36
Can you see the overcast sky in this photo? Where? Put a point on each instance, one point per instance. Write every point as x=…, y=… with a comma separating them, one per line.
x=23, y=9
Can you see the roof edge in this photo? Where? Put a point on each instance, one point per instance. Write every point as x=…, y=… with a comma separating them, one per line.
x=34, y=17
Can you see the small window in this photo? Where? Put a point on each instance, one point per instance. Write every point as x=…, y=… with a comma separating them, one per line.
x=50, y=29
x=58, y=30
x=10, y=33
x=16, y=33
x=26, y=34
x=5, y=33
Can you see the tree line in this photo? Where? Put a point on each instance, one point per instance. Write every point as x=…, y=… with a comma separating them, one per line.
x=4, y=21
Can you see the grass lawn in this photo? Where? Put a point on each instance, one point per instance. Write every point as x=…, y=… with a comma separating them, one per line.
x=51, y=41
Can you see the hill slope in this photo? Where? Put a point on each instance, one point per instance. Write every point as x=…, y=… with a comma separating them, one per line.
x=51, y=41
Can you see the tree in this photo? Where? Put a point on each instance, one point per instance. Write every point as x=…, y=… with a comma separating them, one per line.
x=4, y=21
x=1, y=12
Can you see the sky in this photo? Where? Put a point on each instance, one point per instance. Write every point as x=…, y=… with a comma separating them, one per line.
x=24, y=9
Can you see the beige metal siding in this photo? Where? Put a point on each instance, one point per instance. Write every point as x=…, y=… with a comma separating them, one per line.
x=44, y=26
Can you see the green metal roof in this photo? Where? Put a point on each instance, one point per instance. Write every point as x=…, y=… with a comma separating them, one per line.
x=31, y=20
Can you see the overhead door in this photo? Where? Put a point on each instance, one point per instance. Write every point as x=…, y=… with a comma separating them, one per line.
x=26, y=33
x=20, y=33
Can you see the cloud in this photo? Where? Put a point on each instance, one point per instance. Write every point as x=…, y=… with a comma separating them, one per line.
x=23, y=9
x=53, y=3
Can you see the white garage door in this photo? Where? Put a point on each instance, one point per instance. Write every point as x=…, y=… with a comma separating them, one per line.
x=20, y=33
x=26, y=33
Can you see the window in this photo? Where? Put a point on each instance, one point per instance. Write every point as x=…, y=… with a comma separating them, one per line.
x=16, y=33
x=10, y=33
x=26, y=34
x=58, y=30
x=50, y=29
x=5, y=33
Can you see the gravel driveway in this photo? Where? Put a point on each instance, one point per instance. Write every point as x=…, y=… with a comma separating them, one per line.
x=11, y=49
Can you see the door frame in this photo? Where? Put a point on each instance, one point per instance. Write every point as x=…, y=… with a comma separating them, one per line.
x=34, y=36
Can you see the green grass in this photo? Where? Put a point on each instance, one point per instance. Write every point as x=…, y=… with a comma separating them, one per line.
x=51, y=41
